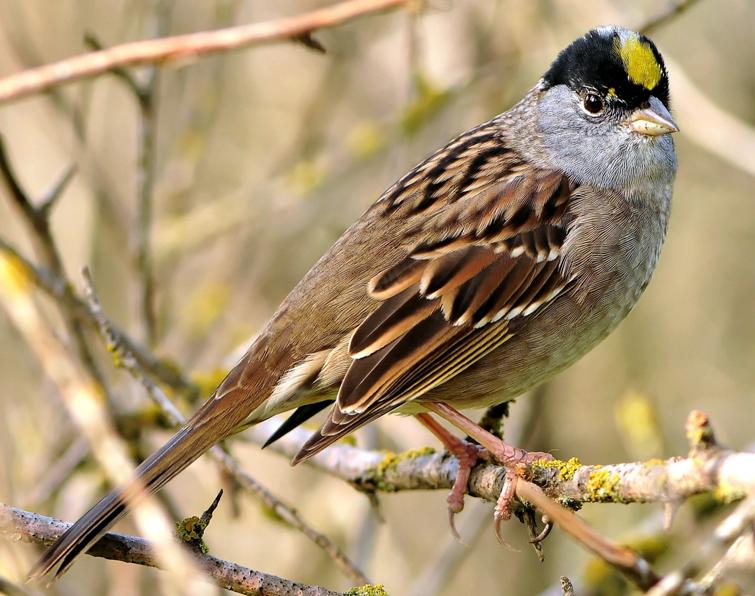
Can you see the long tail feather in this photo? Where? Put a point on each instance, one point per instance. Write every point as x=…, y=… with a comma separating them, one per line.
x=218, y=418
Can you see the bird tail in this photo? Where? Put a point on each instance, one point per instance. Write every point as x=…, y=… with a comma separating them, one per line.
x=218, y=418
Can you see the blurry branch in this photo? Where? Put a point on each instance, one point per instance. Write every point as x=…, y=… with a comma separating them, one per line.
x=733, y=529
x=181, y=48
x=37, y=222
x=7, y=587
x=61, y=290
x=20, y=525
x=59, y=472
x=707, y=125
x=36, y=219
x=739, y=556
x=286, y=513
x=145, y=94
x=667, y=13
x=83, y=397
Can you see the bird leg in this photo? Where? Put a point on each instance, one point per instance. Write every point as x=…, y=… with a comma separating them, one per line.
x=468, y=455
x=505, y=454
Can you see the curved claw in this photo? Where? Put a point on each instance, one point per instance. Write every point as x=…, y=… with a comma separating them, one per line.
x=498, y=519
x=502, y=510
x=544, y=532
x=452, y=524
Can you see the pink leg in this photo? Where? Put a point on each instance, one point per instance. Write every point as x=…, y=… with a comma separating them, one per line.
x=468, y=455
x=502, y=452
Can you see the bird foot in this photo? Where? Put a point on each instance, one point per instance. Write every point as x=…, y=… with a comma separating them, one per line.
x=468, y=454
x=514, y=460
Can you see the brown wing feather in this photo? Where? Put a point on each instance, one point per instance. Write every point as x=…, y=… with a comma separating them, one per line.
x=488, y=251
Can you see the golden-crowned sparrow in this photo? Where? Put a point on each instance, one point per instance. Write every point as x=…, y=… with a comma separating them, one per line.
x=492, y=265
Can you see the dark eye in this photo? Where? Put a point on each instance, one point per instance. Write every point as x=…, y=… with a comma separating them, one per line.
x=593, y=103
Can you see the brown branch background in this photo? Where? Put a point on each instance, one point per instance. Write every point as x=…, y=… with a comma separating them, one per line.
x=233, y=179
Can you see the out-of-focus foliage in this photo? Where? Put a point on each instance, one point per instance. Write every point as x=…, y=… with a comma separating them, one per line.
x=263, y=158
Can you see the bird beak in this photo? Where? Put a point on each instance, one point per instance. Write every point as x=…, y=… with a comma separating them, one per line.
x=653, y=121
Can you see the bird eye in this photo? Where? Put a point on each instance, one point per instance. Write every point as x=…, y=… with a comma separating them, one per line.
x=593, y=103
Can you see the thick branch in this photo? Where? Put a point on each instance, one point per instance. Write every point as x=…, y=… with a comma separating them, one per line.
x=185, y=47
x=18, y=524
x=730, y=474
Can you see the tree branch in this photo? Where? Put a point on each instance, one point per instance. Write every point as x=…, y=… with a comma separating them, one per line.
x=185, y=47
x=729, y=473
x=708, y=467
x=20, y=525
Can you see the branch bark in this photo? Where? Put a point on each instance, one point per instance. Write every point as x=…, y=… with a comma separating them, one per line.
x=729, y=473
x=25, y=526
x=185, y=47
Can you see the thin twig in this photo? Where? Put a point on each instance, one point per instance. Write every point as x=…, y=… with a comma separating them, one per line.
x=285, y=512
x=732, y=527
x=184, y=47
x=37, y=222
x=633, y=566
x=145, y=95
x=62, y=291
x=672, y=10
x=58, y=472
x=26, y=526
x=56, y=190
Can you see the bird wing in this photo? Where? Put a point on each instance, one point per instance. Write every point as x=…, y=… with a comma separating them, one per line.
x=487, y=252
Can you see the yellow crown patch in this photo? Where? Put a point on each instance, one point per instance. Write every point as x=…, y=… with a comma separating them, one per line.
x=639, y=61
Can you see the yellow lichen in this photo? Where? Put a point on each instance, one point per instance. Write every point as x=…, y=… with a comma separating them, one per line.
x=203, y=307
x=566, y=469
x=391, y=460
x=13, y=275
x=367, y=590
x=191, y=530
x=366, y=139
x=728, y=590
x=724, y=493
x=348, y=440
x=429, y=100
x=307, y=175
x=637, y=421
x=639, y=61
x=599, y=573
x=602, y=484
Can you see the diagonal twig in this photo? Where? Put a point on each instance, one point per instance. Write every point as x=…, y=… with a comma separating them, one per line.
x=185, y=47
x=285, y=512
x=83, y=397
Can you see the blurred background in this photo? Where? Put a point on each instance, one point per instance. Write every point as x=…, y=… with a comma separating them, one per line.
x=261, y=159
